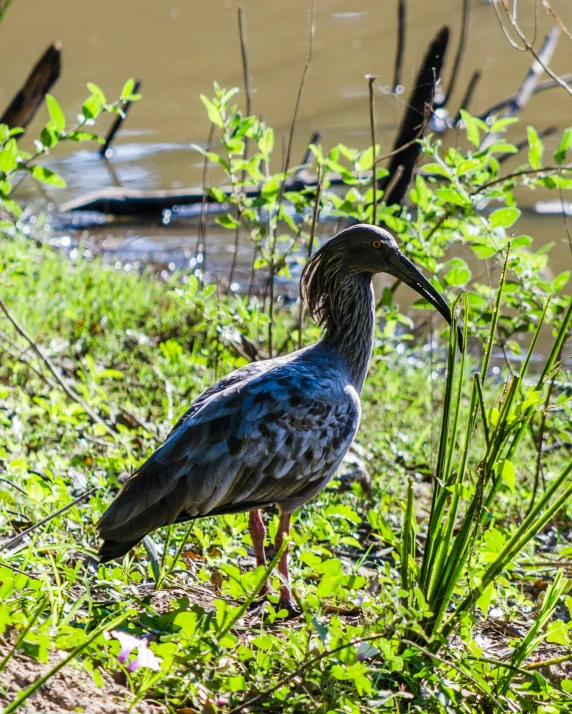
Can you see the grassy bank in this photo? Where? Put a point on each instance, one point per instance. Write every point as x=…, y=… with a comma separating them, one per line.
x=96, y=365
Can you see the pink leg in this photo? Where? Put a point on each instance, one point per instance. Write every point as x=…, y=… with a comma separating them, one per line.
x=257, y=532
x=286, y=600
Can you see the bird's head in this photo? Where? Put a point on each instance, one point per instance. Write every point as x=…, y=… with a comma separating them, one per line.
x=361, y=250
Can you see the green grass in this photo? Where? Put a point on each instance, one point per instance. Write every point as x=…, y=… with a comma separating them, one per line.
x=136, y=351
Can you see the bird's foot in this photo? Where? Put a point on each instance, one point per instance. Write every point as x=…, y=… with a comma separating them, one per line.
x=290, y=606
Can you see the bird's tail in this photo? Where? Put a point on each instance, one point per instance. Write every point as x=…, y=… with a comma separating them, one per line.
x=121, y=529
x=111, y=549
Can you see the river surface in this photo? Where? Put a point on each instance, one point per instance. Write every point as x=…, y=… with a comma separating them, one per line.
x=178, y=48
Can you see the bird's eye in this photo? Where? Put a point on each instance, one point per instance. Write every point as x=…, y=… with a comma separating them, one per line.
x=376, y=244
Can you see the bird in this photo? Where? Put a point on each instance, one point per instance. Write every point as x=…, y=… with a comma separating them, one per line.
x=273, y=432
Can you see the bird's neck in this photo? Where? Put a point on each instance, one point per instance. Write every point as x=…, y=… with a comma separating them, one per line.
x=350, y=327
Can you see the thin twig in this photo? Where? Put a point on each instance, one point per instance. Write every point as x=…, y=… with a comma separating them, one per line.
x=310, y=248
x=59, y=379
x=16, y=539
x=401, y=28
x=459, y=55
x=248, y=93
x=283, y=182
x=245, y=63
x=370, y=80
x=201, y=246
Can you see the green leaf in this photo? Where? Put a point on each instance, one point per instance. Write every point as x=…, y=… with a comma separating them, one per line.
x=49, y=136
x=266, y=142
x=502, y=147
x=535, y=147
x=271, y=187
x=560, y=281
x=127, y=90
x=458, y=276
x=436, y=169
x=503, y=124
x=565, y=144
x=366, y=159
x=472, y=128
x=508, y=474
x=557, y=633
x=485, y=600
x=227, y=221
x=451, y=195
x=85, y=136
x=97, y=92
x=503, y=217
x=40, y=173
x=213, y=112
x=56, y=114
x=91, y=107
x=8, y=156
x=521, y=242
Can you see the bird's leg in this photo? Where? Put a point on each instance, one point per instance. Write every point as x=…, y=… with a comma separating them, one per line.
x=286, y=600
x=257, y=531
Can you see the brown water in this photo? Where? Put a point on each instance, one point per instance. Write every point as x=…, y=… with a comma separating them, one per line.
x=178, y=48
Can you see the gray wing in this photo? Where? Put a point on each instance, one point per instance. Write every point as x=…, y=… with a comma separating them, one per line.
x=277, y=438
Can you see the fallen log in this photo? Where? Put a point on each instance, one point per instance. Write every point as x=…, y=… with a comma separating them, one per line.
x=134, y=202
x=41, y=79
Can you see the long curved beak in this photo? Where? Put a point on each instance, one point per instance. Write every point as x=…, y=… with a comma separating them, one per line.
x=404, y=270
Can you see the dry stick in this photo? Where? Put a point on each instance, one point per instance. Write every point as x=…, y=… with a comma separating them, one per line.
x=16, y=539
x=59, y=379
x=459, y=55
x=310, y=248
x=371, y=79
x=466, y=100
x=414, y=117
x=401, y=27
x=119, y=119
x=201, y=245
x=248, y=93
x=43, y=76
x=526, y=90
x=283, y=182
